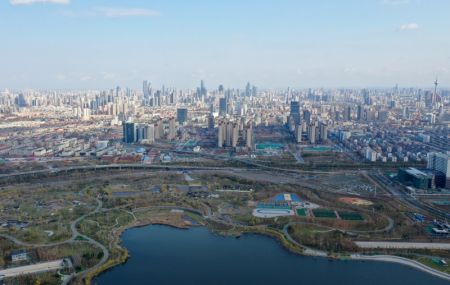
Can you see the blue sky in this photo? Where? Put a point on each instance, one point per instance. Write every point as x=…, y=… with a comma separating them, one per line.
x=272, y=43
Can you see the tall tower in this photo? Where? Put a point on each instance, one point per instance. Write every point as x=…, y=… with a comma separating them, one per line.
x=434, y=96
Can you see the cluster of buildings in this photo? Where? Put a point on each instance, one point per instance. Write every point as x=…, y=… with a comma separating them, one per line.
x=306, y=129
x=436, y=175
x=234, y=133
x=148, y=133
x=383, y=125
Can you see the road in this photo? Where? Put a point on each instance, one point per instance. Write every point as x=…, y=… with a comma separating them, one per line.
x=34, y=268
x=389, y=244
x=298, y=156
x=163, y=166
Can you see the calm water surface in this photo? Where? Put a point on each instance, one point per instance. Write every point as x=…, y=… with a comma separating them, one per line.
x=165, y=255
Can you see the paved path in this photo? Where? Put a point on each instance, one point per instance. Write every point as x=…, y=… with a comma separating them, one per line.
x=71, y=239
x=391, y=244
x=34, y=268
x=75, y=233
x=404, y=261
x=306, y=250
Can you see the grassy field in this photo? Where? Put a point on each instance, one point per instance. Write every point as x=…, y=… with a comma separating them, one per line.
x=429, y=262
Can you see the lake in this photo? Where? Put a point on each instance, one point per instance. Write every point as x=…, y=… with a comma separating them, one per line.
x=165, y=255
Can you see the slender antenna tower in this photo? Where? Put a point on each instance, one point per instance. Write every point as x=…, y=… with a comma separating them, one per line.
x=434, y=95
x=435, y=86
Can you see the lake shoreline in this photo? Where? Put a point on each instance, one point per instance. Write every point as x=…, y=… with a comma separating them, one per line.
x=279, y=237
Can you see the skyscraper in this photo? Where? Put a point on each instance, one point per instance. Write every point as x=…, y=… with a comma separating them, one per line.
x=129, y=132
x=220, y=134
x=249, y=136
x=248, y=90
x=203, y=90
x=210, y=122
x=348, y=113
x=150, y=130
x=307, y=116
x=440, y=162
x=359, y=113
x=235, y=138
x=145, y=88
x=172, y=129
x=222, y=106
x=295, y=112
x=323, y=132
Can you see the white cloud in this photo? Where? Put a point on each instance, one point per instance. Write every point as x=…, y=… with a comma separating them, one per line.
x=409, y=26
x=28, y=2
x=116, y=12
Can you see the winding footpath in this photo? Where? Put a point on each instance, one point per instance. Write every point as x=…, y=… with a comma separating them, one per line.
x=76, y=237
x=76, y=234
x=386, y=258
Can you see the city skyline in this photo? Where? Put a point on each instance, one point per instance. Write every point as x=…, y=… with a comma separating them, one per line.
x=63, y=44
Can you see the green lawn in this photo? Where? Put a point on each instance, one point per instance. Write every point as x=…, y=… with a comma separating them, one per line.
x=429, y=262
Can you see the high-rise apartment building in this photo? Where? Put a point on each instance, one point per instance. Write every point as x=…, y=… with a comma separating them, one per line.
x=439, y=161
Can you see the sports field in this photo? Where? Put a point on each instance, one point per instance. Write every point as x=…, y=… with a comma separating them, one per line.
x=318, y=148
x=350, y=216
x=324, y=213
x=272, y=213
x=301, y=212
